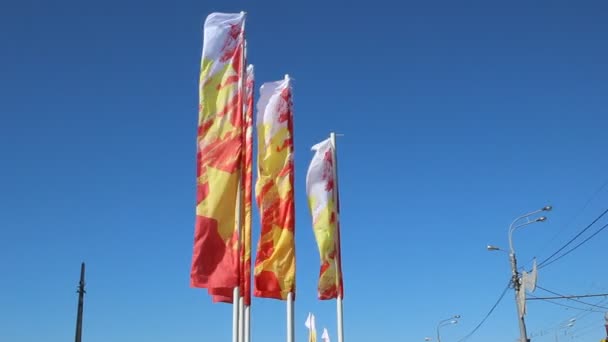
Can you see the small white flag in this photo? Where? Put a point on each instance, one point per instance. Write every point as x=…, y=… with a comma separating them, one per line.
x=312, y=329
x=325, y=335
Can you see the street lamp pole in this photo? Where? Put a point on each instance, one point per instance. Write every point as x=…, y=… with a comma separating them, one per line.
x=448, y=321
x=515, y=274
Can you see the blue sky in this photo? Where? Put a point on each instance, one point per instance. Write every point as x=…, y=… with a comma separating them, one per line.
x=458, y=117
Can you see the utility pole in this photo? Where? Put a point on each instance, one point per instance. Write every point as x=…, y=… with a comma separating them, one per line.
x=81, y=293
x=517, y=287
x=606, y=318
x=515, y=276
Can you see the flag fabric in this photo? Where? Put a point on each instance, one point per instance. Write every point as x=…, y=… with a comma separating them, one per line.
x=275, y=264
x=224, y=295
x=323, y=203
x=312, y=329
x=325, y=336
x=215, y=257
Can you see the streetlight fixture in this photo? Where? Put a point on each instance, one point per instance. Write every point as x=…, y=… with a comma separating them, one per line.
x=566, y=327
x=515, y=277
x=449, y=321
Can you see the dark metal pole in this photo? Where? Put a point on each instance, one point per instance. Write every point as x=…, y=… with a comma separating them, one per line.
x=81, y=293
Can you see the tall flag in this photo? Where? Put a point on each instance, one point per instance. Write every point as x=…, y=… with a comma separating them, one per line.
x=312, y=329
x=225, y=294
x=215, y=257
x=321, y=190
x=325, y=335
x=275, y=263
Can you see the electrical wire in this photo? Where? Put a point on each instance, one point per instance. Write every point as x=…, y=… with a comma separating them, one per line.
x=565, y=305
x=572, y=299
x=575, y=247
x=580, y=211
x=544, y=262
x=578, y=317
x=502, y=295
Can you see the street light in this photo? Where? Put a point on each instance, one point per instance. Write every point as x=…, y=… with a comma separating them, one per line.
x=493, y=248
x=515, y=278
x=568, y=326
x=443, y=323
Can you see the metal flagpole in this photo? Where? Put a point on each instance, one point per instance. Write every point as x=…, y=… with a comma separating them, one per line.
x=241, y=319
x=247, y=323
x=235, y=314
x=290, y=319
x=236, y=297
x=339, y=308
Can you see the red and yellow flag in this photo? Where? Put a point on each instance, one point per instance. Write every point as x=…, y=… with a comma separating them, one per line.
x=275, y=264
x=321, y=189
x=225, y=295
x=215, y=257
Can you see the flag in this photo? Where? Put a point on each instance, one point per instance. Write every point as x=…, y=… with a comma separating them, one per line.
x=321, y=190
x=275, y=263
x=312, y=329
x=224, y=295
x=325, y=335
x=215, y=258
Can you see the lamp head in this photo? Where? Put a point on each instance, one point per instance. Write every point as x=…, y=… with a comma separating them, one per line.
x=547, y=208
x=541, y=219
x=490, y=248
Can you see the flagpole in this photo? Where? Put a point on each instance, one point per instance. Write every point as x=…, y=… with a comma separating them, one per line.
x=290, y=319
x=241, y=319
x=236, y=296
x=235, y=315
x=247, y=326
x=339, y=306
x=340, y=319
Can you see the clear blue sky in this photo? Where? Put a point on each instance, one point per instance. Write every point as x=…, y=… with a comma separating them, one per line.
x=458, y=116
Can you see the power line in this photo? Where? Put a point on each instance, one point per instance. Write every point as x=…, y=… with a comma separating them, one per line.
x=566, y=306
x=570, y=297
x=593, y=196
x=576, y=300
x=575, y=247
x=502, y=295
x=578, y=317
x=542, y=263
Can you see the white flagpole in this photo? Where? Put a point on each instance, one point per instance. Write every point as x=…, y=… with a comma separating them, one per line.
x=339, y=308
x=247, y=323
x=241, y=319
x=290, y=319
x=235, y=314
x=291, y=336
x=236, y=297
x=340, y=319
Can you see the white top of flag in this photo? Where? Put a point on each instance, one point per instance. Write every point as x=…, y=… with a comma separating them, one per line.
x=221, y=32
x=325, y=335
x=270, y=105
